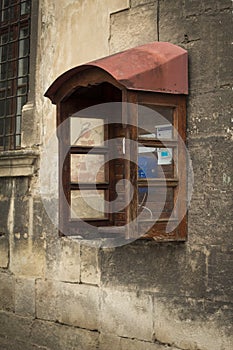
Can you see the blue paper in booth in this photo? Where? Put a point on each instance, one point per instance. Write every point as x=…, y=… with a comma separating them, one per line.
x=147, y=168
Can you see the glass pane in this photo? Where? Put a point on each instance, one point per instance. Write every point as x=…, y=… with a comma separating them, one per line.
x=25, y=7
x=11, y=51
x=86, y=131
x=23, y=47
x=87, y=168
x=3, y=71
x=22, y=90
x=87, y=205
x=24, y=32
x=8, y=125
x=23, y=67
x=3, y=53
x=1, y=127
x=18, y=125
x=9, y=106
x=17, y=140
x=20, y=102
x=2, y=93
x=11, y=70
x=155, y=122
x=158, y=204
x=155, y=162
x=5, y=15
x=3, y=38
x=2, y=108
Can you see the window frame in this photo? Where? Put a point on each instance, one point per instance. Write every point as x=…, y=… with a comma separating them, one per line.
x=11, y=140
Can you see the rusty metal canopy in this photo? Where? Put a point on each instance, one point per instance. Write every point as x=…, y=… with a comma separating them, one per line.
x=155, y=67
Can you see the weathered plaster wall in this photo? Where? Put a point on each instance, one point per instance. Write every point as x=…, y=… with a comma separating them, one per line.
x=62, y=294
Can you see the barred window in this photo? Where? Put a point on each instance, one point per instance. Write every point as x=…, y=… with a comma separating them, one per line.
x=14, y=68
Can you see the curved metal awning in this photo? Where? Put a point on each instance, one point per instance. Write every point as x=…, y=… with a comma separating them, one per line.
x=155, y=67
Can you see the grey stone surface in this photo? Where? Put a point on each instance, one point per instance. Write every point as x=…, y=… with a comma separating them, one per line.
x=4, y=210
x=90, y=264
x=46, y=299
x=15, y=327
x=176, y=318
x=78, y=305
x=133, y=27
x=4, y=251
x=59, y=337
x=210, y=208
x=166, y=268
x=126, y=313
x=134, y=3
x=69, y=303
x=7, y=292
x=25, y=297
x=219, y=266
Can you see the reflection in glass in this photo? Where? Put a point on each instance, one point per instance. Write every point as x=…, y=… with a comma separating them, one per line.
x=86, y=131
x=87, y=204
x=155, y=122
x=155, y=162
x=87, y=168
x=154, y=205
x=23, y=67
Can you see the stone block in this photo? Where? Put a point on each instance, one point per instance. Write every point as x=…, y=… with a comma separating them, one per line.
x=133, y=27
x=220, y=273
x=112, y=342
x=90, y=264
x=192, y=7
x=7, y=292
x=126, y=314
x=4, y=210
x=78, y=305
x=6, y=187
x=209, y=113
x=46, y=299
x=13, y=344
x=63, y=259
x=22, y=184
x=107, y=342
x=210, y=218
x=135, y=3
x=196, y=7
x=25, y=297
x=189, y=324
x=69, y=261
x=27, y=256
x=165, y=268
x=4, y=251
x=59, y=337
x=21, y=216
x=15, y=327
x=130, y=344
x=73, y=304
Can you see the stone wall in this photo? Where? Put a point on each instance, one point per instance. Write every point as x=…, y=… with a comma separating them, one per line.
x=60, y=293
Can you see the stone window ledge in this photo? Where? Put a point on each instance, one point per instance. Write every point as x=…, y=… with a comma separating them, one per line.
x=18, y=163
